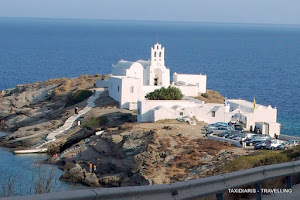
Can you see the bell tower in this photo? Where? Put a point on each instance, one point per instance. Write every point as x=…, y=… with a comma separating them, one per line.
x=157, y=55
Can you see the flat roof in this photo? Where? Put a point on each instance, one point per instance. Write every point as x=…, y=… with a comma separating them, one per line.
x=245, y=103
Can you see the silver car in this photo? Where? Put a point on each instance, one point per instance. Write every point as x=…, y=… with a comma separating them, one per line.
x=274, y=144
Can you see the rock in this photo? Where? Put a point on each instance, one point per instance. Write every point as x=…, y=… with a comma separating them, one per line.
x=74, y=175
x=167, y=127
x=206, y=158
x=111, y=180
x=117, y=139
x=67, y=166
x=140, y=179
x=91, y=180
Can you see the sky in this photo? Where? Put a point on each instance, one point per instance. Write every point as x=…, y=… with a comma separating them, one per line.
x=222, y=11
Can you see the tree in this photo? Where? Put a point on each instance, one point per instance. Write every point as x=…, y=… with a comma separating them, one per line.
x=170, y=93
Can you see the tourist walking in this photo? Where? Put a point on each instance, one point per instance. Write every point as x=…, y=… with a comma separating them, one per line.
x=76, y=110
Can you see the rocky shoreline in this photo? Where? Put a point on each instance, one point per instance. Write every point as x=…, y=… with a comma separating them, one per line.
x=125, y=154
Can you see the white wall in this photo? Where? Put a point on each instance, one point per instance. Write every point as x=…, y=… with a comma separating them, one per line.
x=191, y=91
x=196, y=79
x=136, y=70
x=148, y=110
x=144, y=108
x=131, y=91
x=274, y=128
x=115, y=88
x=165, y=76
x=267, y=114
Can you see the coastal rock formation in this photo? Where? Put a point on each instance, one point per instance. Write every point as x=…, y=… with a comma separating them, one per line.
x=31, y=111
x=75, y=175
x=139, y=156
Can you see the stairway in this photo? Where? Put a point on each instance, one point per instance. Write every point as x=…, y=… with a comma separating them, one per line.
x=69, y=122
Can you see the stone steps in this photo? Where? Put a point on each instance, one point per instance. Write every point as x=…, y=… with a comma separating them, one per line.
x=70, y=121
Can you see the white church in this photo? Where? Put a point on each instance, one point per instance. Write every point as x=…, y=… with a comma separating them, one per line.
x=131, y=81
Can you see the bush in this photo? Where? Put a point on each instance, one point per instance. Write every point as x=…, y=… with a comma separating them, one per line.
x=170, y=93
x=79, y=96
x=96, y=122
x=93, y=123
x=259, y=158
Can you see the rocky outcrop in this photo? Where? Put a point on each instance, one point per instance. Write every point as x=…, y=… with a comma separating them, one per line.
x=77, y=174
x=31, y=111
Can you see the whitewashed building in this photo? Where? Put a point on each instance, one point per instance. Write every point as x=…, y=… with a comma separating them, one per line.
x=131, y=81
x=263, y=117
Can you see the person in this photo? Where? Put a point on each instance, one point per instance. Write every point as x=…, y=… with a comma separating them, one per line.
x=91, y=167
x=94, y=92
x=76, y=110
x=276, y=136
x=95, y=168
x=258, y=131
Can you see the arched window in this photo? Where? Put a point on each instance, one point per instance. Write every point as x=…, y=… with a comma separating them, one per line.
x=155, y=54
x=160, y=54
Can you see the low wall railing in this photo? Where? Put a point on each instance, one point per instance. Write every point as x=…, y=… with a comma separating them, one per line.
x=234, y=142
x=181, y=190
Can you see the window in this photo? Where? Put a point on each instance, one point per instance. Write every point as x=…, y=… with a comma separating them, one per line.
x=138, y=111
x=181, y=113
x=160, y=54
x=118, y=88
x=132, y=89
x=154, y=54
x=213, y=113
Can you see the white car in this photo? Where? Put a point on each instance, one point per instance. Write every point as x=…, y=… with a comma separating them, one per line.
x=273, y=144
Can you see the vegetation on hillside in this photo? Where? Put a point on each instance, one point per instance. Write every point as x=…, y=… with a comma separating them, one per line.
x=79, y=96
x=170, y=93
x=96, y=122
x=211, y=96
x=261, y=158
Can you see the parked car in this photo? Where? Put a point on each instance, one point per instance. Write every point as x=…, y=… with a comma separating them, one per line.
x=250, y=135
x=288, y=144
x=273, y=144
x=238, y=127
x=261, y=145
x=257, y=139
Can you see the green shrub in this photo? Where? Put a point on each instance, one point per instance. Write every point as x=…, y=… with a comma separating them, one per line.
x=259, y=158
x=170, y=93
x=103, y=120
x=79, y=96
x=92, y=124
x=96, y=122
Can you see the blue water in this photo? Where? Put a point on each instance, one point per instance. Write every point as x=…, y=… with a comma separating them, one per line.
x=246, y=61
x=24, y=171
